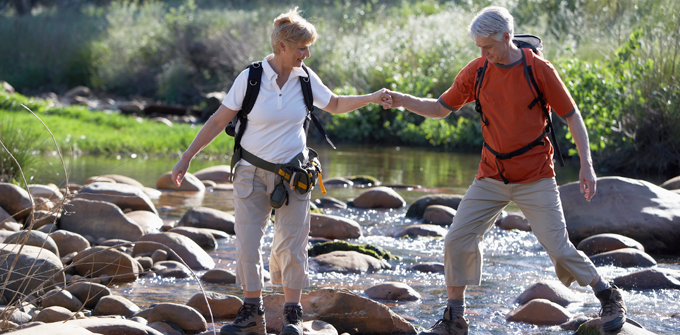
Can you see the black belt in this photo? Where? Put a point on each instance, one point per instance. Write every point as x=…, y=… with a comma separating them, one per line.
x=536, y=142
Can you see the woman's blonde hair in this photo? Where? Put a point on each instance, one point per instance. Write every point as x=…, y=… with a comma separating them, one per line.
x=291, y=28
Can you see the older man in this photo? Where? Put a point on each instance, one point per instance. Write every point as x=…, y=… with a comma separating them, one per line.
x=512, y=88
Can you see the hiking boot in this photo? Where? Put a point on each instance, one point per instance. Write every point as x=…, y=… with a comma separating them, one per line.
x=249, y=321
x=448, y=325
x=292, y=320
x=613, y=312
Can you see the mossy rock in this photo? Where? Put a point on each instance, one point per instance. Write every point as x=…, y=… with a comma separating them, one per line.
x=587, y=330
x=364, y=180
x=367, y=249
x=314, y=209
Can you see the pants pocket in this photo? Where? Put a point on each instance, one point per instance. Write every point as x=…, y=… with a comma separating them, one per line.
x=243, y=181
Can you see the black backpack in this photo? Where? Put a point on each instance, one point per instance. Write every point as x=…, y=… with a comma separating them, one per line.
x=252, y=91
x=534, y=43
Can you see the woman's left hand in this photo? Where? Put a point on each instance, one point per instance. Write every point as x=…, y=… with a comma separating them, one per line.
x=383, y=98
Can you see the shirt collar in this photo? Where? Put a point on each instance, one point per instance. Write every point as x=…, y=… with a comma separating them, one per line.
x=270, y=74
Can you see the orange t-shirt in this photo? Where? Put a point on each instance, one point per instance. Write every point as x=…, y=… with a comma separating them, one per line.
x=505, y=96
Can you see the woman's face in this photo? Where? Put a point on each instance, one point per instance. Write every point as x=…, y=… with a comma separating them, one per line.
x=295, y=53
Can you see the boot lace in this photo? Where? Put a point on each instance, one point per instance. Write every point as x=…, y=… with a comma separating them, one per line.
x=293, y=315
x=609, y=307
x=243, y=313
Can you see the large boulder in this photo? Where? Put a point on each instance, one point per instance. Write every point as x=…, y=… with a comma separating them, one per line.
x=392, y=291
x=148, y=221
x=49, y=191
x=672, y=184
x=178, y=247
x=421, y=230
x=540, y=312
x=111, y=263
x=417, y=208
x=99, y=219
x=88, y=293
x=549, y=290
x=189, y=319
x=116, y=305
x=650, y=279
x=333, y=227
x=189, y=184
x=35, y=269
x=624, y=258
x=122, y=195
x=346, y=311
x=221, y=305
x=439, y=215
x=34, y=238
x=607, y=242
x=15, y=200
x=219, y=174
x=634, y=208
x=379, y=197
x=201, y=236
x=111, y=326
x=68, y=242
x=204, y=217
x=346, y=262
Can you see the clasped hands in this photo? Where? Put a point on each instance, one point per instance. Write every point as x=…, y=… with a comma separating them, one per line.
x=388, y=99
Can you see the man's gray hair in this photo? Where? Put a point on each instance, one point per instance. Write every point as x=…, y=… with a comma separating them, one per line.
x=492, y=21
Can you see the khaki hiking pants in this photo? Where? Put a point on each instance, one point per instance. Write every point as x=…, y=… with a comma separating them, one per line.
x=479, y=209
x=288, y=260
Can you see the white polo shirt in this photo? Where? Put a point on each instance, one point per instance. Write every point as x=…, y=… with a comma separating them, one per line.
x=275, y=124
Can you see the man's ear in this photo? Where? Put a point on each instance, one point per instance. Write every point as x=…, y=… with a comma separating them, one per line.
x=506, y=37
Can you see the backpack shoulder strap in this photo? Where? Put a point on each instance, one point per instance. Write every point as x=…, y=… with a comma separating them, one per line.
x=306, y=84
x=481, y=70
x=252, y=91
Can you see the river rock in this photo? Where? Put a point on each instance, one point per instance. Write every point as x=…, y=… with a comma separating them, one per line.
x=102, y=261
x=338, y=182
x=346, y=262
x=112, y=326
x=222, y=187
x=346, y=311
x=221, y=305
x=152, y=193
x=364, y=181
x=88, y=293
x=189, y=184
x=171, y=269
x=42, y=269
x=318, y=327
x=326, y=247
x=649, y=279
x=124, y=180
x=379, y=197
x=541, y=312
x=4, y=234
x=333, y=227
x=122, y=195
x=145, y=262
x=166, y=328
x=634, y=208
x=417, y=209
x=219, y=276
x=159, y=255
x=186, y=317
x=183, y=249
x=63, y=298
x=421, y=230
x=607, y=242
x=17, y=315
x=514, y=221
x=392, y=291
x=9, y=226
x=672, y=184
x=218, y=173
x=48, y=228
x=15, y=200
x=202, y=237
x=49, y=191
x=209, y=184
x=99, y=218
x=53, y=314
x=594, y=327
x=68, y=242
x=42, y=218
x=98, y=179
x=439, y=215
x=116, y=305
x=624, y=258
x=34, y=238
x=148, y=221
x=57, y=328
x=204, y=217
x=575, y=322
x=5, y=218
x=548, y=290
x=330, y=202
x=428, y=267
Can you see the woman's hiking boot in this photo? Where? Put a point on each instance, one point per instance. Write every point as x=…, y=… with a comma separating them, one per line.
x=613, y=312
x=249, y=321
x=448, y=325
x=292, y=320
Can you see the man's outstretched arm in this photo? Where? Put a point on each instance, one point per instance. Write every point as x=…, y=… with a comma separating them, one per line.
x=422, y=106
x=587, y=178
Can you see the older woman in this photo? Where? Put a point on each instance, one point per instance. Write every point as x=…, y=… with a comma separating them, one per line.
x=275, y=134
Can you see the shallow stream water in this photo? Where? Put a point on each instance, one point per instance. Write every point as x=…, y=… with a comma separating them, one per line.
x=513, y=260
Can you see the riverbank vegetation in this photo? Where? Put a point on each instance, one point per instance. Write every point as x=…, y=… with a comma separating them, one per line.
x=618, y=58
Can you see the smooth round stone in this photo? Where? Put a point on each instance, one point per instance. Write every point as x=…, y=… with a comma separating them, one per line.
x=53, y=314
x=540, y=312
x=167, y=269
x=548, y=290
x=34, y=238
x=439, y=215
x=204, y=217
x=392, y=291
x=219, y=276
x=68, y=242
x=428, y=267
x=330, y=202
x=379, y=197
x=217, y=173
x=600, y=243
x=63, y=298
x=88, y=293
x=221, y=305
x=115, y=305
x=15, y=200
x=189, y=184
x=338, y=182
x=145, y=262
x=189, y=319
x=346, y=262
x=417, y=208
x=203, y=238
x=334, y=227
x=624, y=258
x=421, y=230
x=514, y=221
x=159, y=255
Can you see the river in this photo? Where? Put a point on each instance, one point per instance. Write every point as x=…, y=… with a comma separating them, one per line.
x=513, y=260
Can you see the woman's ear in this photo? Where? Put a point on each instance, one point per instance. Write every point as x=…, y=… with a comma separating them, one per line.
x=282, y=46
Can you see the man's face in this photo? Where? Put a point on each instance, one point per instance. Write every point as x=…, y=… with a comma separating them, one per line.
x=495, y=51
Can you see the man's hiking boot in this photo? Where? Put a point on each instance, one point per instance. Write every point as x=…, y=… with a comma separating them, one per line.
x=249, y=321
x=292, y=320
x=613, y=313
x=448, y=325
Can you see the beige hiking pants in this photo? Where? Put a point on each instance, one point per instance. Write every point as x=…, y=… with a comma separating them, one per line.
x=479, y=209
x=288, y=260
